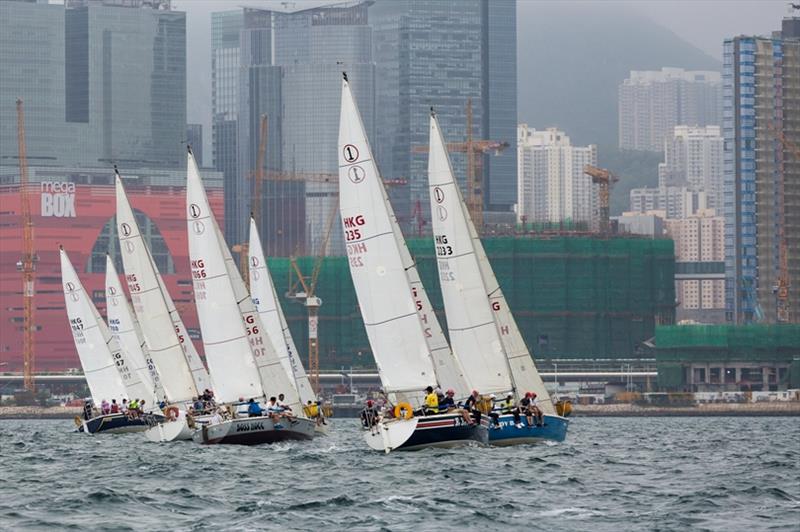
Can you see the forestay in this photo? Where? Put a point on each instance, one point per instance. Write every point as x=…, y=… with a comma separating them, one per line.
x=383, y=289
x=473, y=333
x=125, y=329
x=225, y=337
x=152, y=305
x=269, y=310
x=95, y=346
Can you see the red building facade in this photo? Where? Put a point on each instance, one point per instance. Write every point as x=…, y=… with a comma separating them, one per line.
x=80, y=217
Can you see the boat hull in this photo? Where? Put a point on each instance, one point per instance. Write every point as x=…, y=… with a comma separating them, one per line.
x=118, y=423
x=440, y=431
x=555, y=429
x=254, y=431
x=167, y=431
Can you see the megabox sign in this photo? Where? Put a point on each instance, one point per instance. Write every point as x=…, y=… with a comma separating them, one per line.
x=58, y=199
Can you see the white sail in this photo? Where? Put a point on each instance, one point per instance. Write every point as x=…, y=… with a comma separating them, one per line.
x=448, y=369
x=460, y=254
x=473, y=333
x=152, y=305
x=225, y=338
x=93, y=342
x=269, y=310
x=388, y=308
x=125, y=329
x=274, y=380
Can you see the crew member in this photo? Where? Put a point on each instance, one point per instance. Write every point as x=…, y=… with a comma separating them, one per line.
x=254, y=409
x=431, y=402
x=448, y=402
x=530, y=406
x=494, y=416
x=114, y=407
x=507, y=406
x=370, y=415
x=471, y=406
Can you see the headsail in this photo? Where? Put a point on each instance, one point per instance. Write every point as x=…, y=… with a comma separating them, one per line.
x=473, y=334
x=225, y=336
x=457, y=241
x=180, y=369
x=94, y=343
x=384, y=292
x=269, y=309
x=125, y=329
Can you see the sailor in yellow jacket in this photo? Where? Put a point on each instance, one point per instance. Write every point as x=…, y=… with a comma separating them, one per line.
x=431, y=402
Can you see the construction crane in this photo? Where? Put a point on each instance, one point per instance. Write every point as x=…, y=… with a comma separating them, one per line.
x=781, y=287
x=27, y=263
x=604, y=181
x=304, y=290
x=475, y=149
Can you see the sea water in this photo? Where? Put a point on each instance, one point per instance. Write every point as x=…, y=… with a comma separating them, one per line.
x=665, y=473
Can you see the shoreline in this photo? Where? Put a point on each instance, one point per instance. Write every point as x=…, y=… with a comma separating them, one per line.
x=606, y=410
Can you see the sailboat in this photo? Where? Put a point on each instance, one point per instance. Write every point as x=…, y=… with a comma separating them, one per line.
x=181, y=372
x=387, y=301
x=483, y=332
x=108, y=371
x=240, y=357
x=271, y=314
x=125, y=330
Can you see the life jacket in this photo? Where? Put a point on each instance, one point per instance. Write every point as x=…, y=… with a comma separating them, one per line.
x=114, y=408
x=133, y=405
x=312, y=410
x=432, y=401
x=507, y=406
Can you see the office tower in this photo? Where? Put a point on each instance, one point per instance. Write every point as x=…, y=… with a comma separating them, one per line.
x=103, y=82
x=652, y=103
x=225, y=28
x=442, y=54
x=761, y=113
x=552, y=185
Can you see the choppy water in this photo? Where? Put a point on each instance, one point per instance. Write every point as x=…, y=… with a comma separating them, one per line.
x=611, y=474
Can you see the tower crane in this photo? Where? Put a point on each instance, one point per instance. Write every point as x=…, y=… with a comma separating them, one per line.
x=27, y=263
x=304, y=290
x=604, y=181
x=475, y=149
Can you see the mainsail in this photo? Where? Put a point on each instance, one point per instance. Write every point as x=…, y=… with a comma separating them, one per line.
x=225, y=336
x=269, y=310
x=125, y=329
x=181, y=371
x=94, y=343
x=482, y=329
x=384, y=292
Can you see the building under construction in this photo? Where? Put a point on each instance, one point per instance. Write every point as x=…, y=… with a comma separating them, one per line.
x=723, y=358
x=573, y=297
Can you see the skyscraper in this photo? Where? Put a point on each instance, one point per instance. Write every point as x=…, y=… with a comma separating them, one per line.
x=652, y=103
x=443, y=54
x=85, y=105
x=194, y=137
x=225, y=28
x=552, y=184
x=761, y=126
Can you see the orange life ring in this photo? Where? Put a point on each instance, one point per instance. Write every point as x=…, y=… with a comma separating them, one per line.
x=399, y=408
x=172, y=413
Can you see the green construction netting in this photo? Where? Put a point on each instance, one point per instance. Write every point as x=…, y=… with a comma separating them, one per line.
x=571, y=297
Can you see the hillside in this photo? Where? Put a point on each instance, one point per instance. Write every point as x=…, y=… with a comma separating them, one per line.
x=572, y=56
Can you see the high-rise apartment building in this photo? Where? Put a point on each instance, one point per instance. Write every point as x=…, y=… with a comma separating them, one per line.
x=652, y=103
x=699, y=277
x=85, y=105
x=693, y=158
x=442, y=54
x=552, y=185
x=761, y=126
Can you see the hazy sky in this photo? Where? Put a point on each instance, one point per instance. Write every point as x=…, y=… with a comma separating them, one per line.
x=703, y=23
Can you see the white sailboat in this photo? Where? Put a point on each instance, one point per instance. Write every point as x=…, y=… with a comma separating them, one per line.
x=240, y=357
x=388, y=306
x=182, y=374
x=125, y=329
x=483, y=332
x=108, y=372
x=269, y=309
